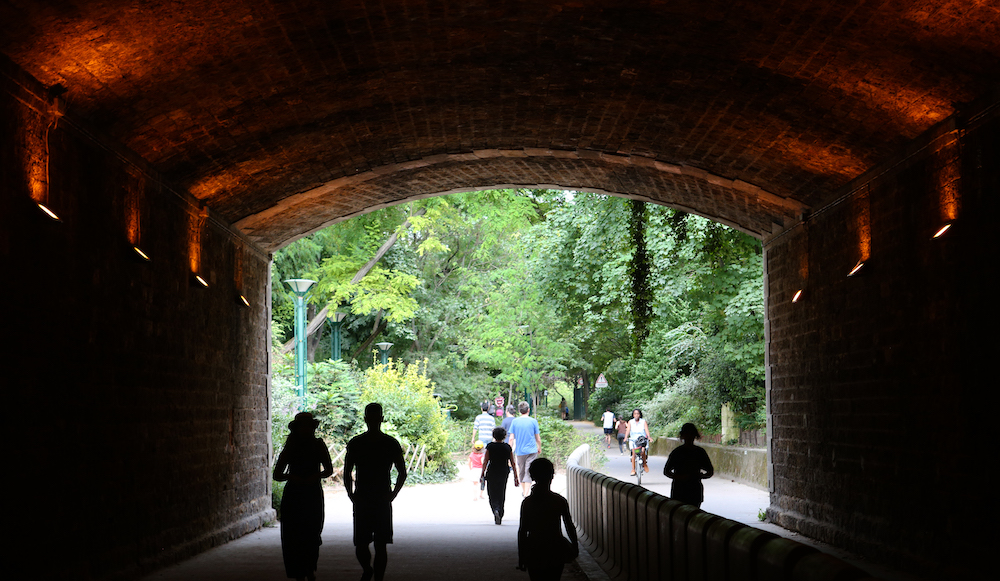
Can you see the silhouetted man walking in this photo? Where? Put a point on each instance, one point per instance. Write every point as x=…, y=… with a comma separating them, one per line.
x=373, y=454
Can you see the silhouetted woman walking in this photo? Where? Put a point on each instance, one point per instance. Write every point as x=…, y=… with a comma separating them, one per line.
x=302, y=464
x=498, y=464
x=688, y=465
x=541, y=547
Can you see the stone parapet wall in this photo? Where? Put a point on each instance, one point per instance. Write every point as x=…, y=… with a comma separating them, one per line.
x=744, y=465
x=138, y=399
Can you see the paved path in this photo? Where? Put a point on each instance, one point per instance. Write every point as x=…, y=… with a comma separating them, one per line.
x=723, y=496
x=440, y=532
x=726, y=498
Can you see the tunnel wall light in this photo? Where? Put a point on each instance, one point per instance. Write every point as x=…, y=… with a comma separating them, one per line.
x=45, y=209
x=941, y=231
x=798, y=295
x=141, y=254
x=201, y=281
x=243, y=301
x=857, y=268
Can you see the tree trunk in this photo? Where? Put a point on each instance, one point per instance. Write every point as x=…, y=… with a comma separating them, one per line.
x=366, y=345
x=316, y=322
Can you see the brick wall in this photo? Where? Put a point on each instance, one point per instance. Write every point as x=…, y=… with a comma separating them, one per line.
x=862, y=368
x=136, y=402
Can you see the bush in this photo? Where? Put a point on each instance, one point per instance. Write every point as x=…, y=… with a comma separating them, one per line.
x=334, y=399
x=559, y=439
x=459, y=434
x=410, y=409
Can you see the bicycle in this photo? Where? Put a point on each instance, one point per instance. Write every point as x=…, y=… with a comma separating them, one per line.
x=640, y=446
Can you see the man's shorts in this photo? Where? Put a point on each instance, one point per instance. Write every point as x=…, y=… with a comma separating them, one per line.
x=372, y=522
x=523, y=463
x=609, y=430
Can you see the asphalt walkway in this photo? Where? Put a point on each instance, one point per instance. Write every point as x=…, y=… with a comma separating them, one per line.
x=441, y=531
x=726, y=498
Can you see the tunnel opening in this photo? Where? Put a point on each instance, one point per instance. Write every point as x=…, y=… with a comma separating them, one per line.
x=527, y=295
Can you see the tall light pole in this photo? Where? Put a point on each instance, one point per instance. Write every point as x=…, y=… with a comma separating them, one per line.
x=383, y=352
x=335, y=322
x=300, y=286
x=526, y=330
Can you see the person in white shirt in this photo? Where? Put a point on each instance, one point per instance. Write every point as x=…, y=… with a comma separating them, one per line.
x=609, y=425
x=637, y=426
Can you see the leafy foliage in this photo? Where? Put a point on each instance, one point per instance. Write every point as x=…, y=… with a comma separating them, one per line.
x=411, y=411
x=492, y=292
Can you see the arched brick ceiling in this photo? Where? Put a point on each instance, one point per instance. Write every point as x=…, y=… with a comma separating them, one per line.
x=285, y=116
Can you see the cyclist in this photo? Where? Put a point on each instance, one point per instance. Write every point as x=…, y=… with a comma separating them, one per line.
x=637, y=427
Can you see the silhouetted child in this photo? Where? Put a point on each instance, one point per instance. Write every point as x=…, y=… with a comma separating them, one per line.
x=476, y=469
x=541, y=547
x=687, y=466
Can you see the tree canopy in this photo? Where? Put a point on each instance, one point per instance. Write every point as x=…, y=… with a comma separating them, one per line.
x=505, y=290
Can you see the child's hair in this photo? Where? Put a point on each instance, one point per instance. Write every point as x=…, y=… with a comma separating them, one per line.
x=541, y=469
x=499, y=434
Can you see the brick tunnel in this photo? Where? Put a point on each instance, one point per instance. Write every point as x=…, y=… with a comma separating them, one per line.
x=210, y=134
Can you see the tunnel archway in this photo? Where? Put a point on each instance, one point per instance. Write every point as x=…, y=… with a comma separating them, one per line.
x=734, y=203
x=836, y=133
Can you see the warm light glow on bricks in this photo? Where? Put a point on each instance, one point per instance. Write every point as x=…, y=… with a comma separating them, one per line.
x=862, y=223
x=133, y=211
x=949, y=179
x=196, y=223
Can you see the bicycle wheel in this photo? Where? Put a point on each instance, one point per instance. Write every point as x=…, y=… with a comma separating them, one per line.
x=638, y=468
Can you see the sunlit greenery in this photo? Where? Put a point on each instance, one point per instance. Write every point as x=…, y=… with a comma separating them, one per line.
x=496, y=292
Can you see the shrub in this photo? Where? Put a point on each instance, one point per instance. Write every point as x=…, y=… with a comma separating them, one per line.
x=410, y=408
x=334, y=399
x=559, y=439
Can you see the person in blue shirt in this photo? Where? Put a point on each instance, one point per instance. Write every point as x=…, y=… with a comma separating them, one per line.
x=526, y=440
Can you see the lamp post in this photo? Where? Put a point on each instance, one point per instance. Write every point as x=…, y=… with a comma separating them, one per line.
x=383, y=352
x=526, y=330
x=300, y=286
x=335, y=322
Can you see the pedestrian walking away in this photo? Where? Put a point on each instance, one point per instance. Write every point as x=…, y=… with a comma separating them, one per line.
x=302, y=465
x=476, y=459
x=527, y=444
x=482, y=426
x=498, y=463
x=687, y=465
x=508, y=418
x=609, y=425
x=622, y=428
x=542, y=549
x=373, y=454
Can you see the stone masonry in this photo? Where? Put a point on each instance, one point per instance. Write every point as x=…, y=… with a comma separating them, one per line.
x=878, y=382
x=137, y=401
